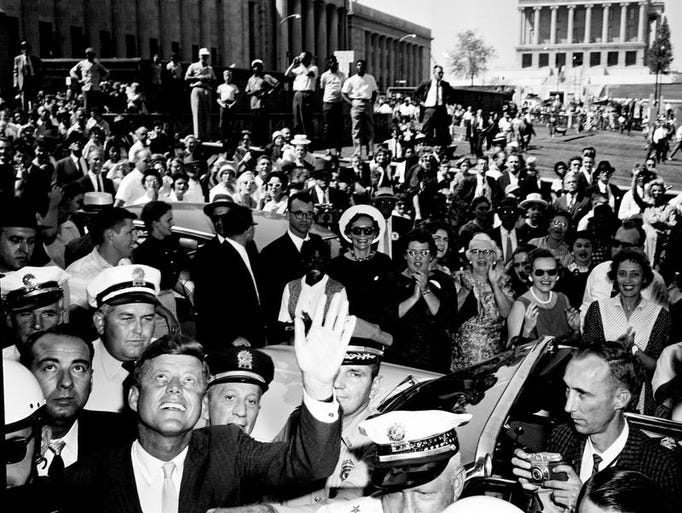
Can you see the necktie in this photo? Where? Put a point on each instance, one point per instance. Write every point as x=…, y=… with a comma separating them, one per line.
x=56, y=470
x=79, y=163
x=99, y=184
x=508, y=249
x=597, y=460
x=169, y=494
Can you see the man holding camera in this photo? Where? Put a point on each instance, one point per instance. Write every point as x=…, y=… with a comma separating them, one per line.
x=601, y=382
x=305, y=75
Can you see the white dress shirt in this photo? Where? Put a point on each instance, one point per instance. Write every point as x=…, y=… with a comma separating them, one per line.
x=96, y=180
x=80, y=163
x=435, y=95
x=148, y=472
x=298, y=241
x=107, y=381
x=131, y=188
x=69, y=451
x=503, y=240
x=609, y=456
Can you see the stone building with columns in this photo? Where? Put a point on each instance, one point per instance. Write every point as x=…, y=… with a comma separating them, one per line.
x=235, y=31
x=578, y=46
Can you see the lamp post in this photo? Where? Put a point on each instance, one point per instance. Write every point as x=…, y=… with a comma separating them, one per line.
x=407, y=36
x=291, y=16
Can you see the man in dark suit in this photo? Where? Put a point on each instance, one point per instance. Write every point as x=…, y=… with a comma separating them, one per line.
x=322, y=194
x=71, y=168
x=572, y=200
x=280, y=261
x=27, y=73
x=507, y=236
x=478, y=184
x=191, y=470
x=93, y=181
x=433, y=96
x=602, y=381
x=37, y=182
x=601, y=183
x=225, y=272
x=61, y=361
x=479, y=129
x=514, y=174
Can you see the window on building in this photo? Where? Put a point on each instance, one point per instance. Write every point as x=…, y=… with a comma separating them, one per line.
x=153, y=46
x=595, y=59
x=577, y=59
x=46, y=40
x=175, y=48
x=526, y=60
x=560, y=59
x=214, y=56
x=630, y=58
x=77, y=42
x=543, y=60
x=252, y=32
x=612, y=59
x=131, y=46
x=106, y=44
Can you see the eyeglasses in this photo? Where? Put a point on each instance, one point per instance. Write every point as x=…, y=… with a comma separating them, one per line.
x=562, y=224
x=421, y=252
x=275, y=185
x=521, y=264
x=620, y=244
x=484, y=252
x=549, y=272
x=15, y=450
x=362, y=230
x=299, y=214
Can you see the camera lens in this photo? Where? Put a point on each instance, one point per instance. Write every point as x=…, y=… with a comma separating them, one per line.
x=537, y=473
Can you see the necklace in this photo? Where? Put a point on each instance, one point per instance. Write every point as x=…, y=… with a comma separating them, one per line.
x=539, y=300
x=361, y=259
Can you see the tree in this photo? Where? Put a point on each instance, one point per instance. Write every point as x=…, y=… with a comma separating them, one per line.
x=659, y=56
x=471, y=55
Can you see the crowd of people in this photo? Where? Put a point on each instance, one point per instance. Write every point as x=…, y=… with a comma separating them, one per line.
x=446, y=261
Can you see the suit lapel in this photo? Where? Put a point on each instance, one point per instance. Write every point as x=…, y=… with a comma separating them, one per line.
x=193, y=475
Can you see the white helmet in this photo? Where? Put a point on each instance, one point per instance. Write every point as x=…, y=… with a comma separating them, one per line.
x=477, y=503
x=22, y=394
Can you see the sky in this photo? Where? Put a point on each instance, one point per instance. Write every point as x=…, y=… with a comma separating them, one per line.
x=446, y=18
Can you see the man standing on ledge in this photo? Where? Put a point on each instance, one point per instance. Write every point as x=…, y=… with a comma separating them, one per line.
x=305, y=75
x=89, y=73
x=360, y=91
x=199, y=76
x=433, y=96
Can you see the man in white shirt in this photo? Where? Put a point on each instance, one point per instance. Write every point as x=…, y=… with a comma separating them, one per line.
x=141, y=136
x=114, y=237
x=131, y=189
x=61, y=361
x=331, y=82
x=434, y=95
x=175, y=467
x=360, y=91
x=678, y=145
x=305, y=77
x=124, y=299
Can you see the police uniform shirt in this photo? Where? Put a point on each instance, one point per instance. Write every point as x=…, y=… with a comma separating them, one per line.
x=107, y=381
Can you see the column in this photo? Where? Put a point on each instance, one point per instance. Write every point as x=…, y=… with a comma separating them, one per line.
x=282, y=7
x=522, y=31
x=588, y=22
x=605, y=24
x=552, y=24
x=30, y=15
x=641, y=26
x=333, y=29
x=415, y=68
x=310, y=22
x=321, y=43
x=623, y=22
x=296, y=29
x=536, y=26
x=571, y=14
x=382, y=62
x=390, y=77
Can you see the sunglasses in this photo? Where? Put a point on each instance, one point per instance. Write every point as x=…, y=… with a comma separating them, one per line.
x=421, y=252
x=15, y=450
x=484, y=252
x=549, y=272
x=362, y=230
x=300, y=215
x=620, y=244
x=275, y=185
x=560, y=223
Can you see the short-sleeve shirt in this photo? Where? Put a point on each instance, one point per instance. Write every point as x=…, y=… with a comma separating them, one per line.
x=360, y=87
x=256, y=85
x=302, y=82
x=331, y=84
x=197, y=71
x=227, y=92
x=92, y=73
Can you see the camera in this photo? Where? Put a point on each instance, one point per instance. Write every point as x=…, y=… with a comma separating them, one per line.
x=542, y=466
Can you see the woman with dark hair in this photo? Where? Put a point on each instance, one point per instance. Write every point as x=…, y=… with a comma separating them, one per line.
x=427, y=308
x=362, y=270
x=555, y=240
x=560, y=169
x=615, y=490
x=481, y=222
x=644, y=322
x=275, y=198
x=114, y=167
x=151, y=181
x=542, y=312
x=446, y=259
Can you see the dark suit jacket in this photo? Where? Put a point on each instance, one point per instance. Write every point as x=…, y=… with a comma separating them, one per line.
x=86, y=185
x=67, y=171
x=280, y=263
x=225, y=299
x=464, y=192
x=496, y=235
x=545, y=189
x=504, y=180
x=224, y=467
x=640, y=453
x=101, y=431
x=423, y=90
x=36, y=186
x=581, y=206
x=614, y=190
